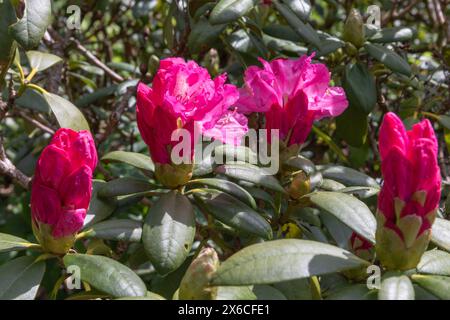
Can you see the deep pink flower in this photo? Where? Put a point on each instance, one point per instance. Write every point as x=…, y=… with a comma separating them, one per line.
x=183, y=95
x=62, y=183
x=292, y=94
x=410, y=170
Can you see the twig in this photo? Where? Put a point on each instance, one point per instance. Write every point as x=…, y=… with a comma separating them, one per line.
x=89, y=55
x=36, y=123
x=7, y=168
x=116, y=115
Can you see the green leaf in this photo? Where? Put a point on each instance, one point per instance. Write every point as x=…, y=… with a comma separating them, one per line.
x=12, y=243
x=304, y=30
x=68, y=115
x=118, y=229
x=352, y=212
x=440, y=233
x=302, y=8
x=29, y=30
x=20, y=278
x=389, y=58
x=435, y=262
x=41, y=60
x=352, y=126
x=360, y=87
x=283, y=260
x=302, y=163
x=257, y=292
x=148, y=296
x=251, y=173
x=31, y=99
x=107, y=275
x=282, y=32
x=99, y=209
x=228, y=187
x=276, y=44
x=347, y=176
x=360, y=192
x=353, y=292
x=227, y=11
x=233, y=212
x=394, y=34
x=124, y=186
x=299, y=289
x=396, y=288
x=203, y=34
x=437, y=285
x=138, y=160
x=169, y=231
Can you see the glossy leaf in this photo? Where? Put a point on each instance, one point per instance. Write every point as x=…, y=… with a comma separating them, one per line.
x=436, y=285
x=118, y=229
x=9, y=242
x=283, y=260
x=124, y=186
x=134, y=159
x=107, y=275
x=20, y=278
x=41, y=60
x=250, y=173
x=29, y=30
x=68, y=115
x=227, y=11
x=349, y=210
x=304, y=30
x=389, y=58
x=169, y=231
x=360, y=87
x=302, y=8
x=435, y=262
x=396, y=288
x=234, y=213
x=347, y=176
x=440, y=233
x=228, y=187
x=99, y=209
x=394, y=34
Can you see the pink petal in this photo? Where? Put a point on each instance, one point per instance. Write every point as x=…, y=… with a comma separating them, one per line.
x=76, y=189
x=45, y=203
x=392, y=133
x=70, y=222
x=53, y=166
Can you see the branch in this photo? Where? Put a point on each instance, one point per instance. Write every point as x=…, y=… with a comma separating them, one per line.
x=90, y=56
x=116, y=115
x=7, y=168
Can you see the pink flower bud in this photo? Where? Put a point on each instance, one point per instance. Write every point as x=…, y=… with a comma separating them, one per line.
x=410, y=194
x=292, y=94
x=183, y=95
x=62, y=185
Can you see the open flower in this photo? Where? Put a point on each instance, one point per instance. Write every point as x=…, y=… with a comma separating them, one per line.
x=62, y=188
x=291, y=94
x=183, y=96
x=410, y=194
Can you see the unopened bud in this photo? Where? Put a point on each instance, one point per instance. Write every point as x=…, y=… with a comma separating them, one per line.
x=195, y=284
x=354, y=31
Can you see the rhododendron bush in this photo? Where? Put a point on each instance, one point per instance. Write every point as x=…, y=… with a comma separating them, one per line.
x=211, y=150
